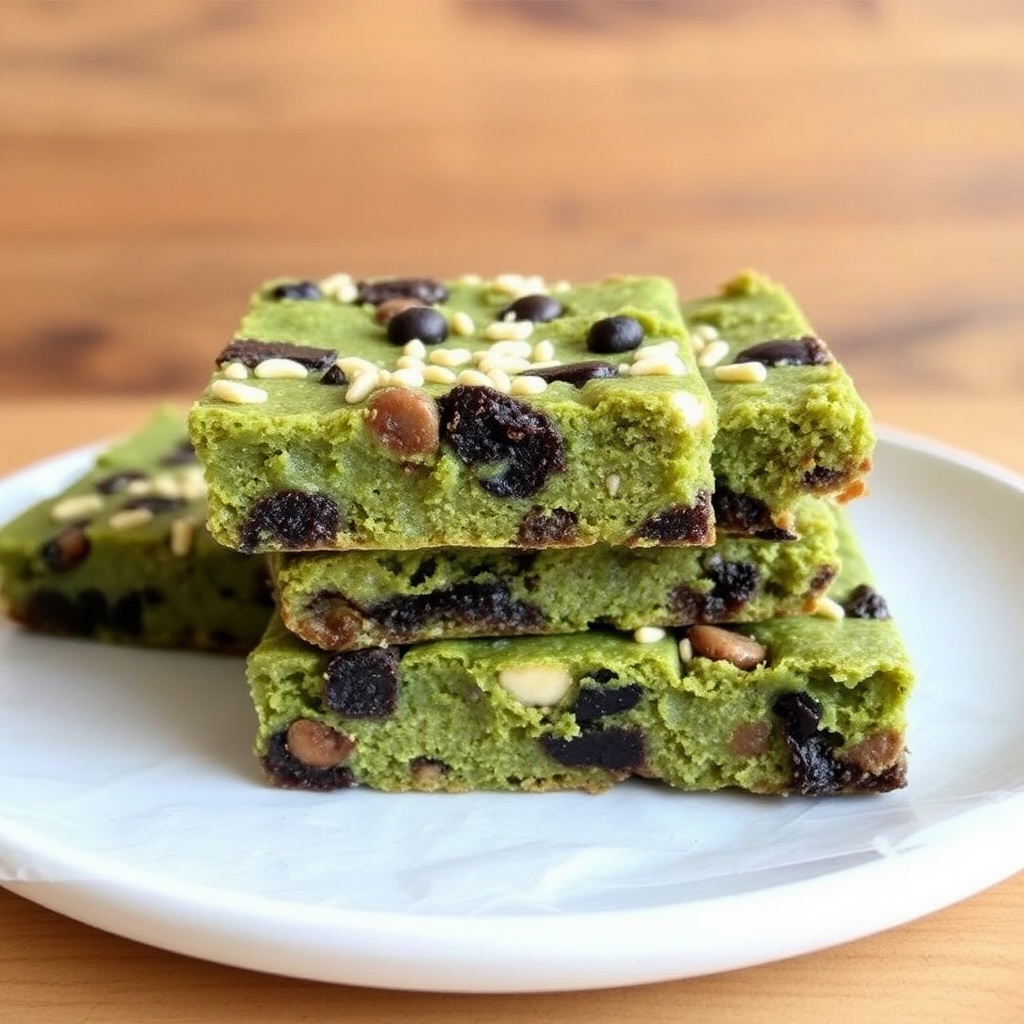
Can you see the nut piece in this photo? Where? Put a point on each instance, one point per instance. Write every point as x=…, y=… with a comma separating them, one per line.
x=725, y=645
x=317, y=745
x=405, y=421
x=539, y=686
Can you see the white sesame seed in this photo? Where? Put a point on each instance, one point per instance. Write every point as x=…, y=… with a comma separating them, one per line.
x=183, y=535
x=543, y=351
x=439, y=375
x=612, y=483
x=662, y=348
x=280, y=369
x=528, y=384
x=741, y=373
x=706, y=332
x=659, y=366
x=714, y=352
x=410, y=363
x=450, y=356
x=511, y=349
x=827, y=608
x=340, y=287
x=685, y=649
x=235, y=370
x=462, y=323
x=415, y=349
x=362, y=385
x=500, y=379
x=237, y=393
x=475, y=377
x=512, y=330
x=648, y=634
x=76, y=506
x=407, y=378
x=352, y=366
x=691, y=407
x=130, y=518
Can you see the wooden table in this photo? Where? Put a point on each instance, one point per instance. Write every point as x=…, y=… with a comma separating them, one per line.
x=160, y=158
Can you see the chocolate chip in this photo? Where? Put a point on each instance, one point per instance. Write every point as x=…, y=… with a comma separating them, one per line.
x=683, y=524
x=497, y=432
x=741, y=513
x=362, y=684
x=864, y=602
x=116, y=482
x=815, y=771
x=807, y=351
x=425, y=289
x=50, y=611
x=126, y=614
x=557, y=527
x=615, y=749
x=420, y=322
x=250, y=352
x=594, y=702
x=734, y=584
x=69, y=548
x=182, y=454
x=576, y=374
x=541, y=309
x=287, y=771
x=615, y=334
x=306, y=290
x=154, y=504
x=405, y=421
x=334, y=375
x=290, y=520
x=392, y=307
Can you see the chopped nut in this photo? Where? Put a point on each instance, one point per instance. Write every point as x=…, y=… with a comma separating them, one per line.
x=235, y=370
x=528, y=385
x=542, y=685
x=724, y=645
x=543, y=351
x=183, y=534
x=439, y=375
x=130, y=518
x=280, y=369
x=462, y=323
x=509, y=330
x=362, y=385
x=78, y=506
x=691, y=407
x=407, y=377
x=476, y=378
x=658, y=366
x=450, y=356
x=612, y=483
x=685, y=650
x=415, y=349
x=741, y=373
x=236, y=393
x=714, y=352
x=648, y=634
x=340, y=287
x=317, y=745
x=750, y=739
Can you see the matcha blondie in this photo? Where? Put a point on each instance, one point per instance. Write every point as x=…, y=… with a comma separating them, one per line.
x=123, y=555
x=790, y=420
x=408, y=413
x=351, y=599
x=810, y=705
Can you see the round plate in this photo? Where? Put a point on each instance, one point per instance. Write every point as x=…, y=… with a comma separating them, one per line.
x=129, y=800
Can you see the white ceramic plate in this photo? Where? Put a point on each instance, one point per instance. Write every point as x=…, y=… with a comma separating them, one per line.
x=129, y=800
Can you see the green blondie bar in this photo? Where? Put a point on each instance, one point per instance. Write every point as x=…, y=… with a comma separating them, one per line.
x=809, y=705
x=352, y=599
x=790, y=420
x=409, y=413
x=123, y=555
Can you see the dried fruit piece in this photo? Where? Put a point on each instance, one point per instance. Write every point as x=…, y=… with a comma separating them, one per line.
x=684, y=524
x=544, y=529
x=334, y=375
x=69, y=548
x=741, y=513
x=362, y=684
x=290, y=520
x=815, y=770
x=405, y=421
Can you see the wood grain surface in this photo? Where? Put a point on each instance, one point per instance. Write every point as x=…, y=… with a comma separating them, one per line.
x=158, y=158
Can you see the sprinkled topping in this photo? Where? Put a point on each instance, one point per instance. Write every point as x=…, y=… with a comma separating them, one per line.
x=407, y=377
x=410, y=363
x=237, y=393
x=658, y=366
x=612, y=483
x=235, y=370
x=439, y=375
x=340, y=287
x=509, y=330
x=500, y=380
x=827, y=608
x=78, y=506
x=539, y=309
x=420, y=323
x=614, y=334
x=415, y=348
x=648, y=634
x=714, y=352
x=450, y=356
x=543, y=351
x=518, y=285
x=685, y=650
x=302, y=290
x=279, y=369
x=192, y=484
x=130, y=518
x=706, y=332
x=251, y=353
x=475, y=377
x=741, y=373
x=122, y=480
x=183, y=535
x=528, y=385
x=462, y=323
x=362, y=384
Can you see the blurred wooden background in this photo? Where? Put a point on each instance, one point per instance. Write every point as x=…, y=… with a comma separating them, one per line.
x=159, y=158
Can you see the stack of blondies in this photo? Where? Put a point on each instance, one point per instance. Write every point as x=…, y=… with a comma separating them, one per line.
x=531, y=536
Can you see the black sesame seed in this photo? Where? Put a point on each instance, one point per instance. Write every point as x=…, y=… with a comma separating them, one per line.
x=305, y=290
x=420, y=322
x=540, y=309
x=615, y=334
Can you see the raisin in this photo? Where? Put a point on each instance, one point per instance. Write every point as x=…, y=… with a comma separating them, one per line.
x=864, y=602
x=489, y=429
x=250, y=352
x=362, y=684
x=576, y=374
x=816, y=772
x=540, y=309
x=613, y=749
x=741, y=513
x=303, y=290
x=69, y=548
x=290, y=520
x=425, y=289
x=287, y=771
x=594, y=702
x=417, y=322
x=734, y=584
x=154, y=504
x=540, y=529
x=684, y=524
x=614, y=334
x=116, y=482
x=808, y=351
x=334, y=375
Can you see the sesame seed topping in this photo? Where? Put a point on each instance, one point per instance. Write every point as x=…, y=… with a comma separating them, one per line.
x=714, y=352
x=462, y=323
x=280, y=369
x=235, y=370
x=827, y=608
x=657, y=366
x=414, y=349
x=183, y=535
x=612, y=483
x=407, y=378
x=543, y=351
x=362, y=385
x=439, y=375
x=648, y=634
x=685, y=650
x=75, y=507
x=741, y=373
x=340, y=287
x=237, y=393
x=450, y=356
x=475, y=377
x=130, y=518
x=509, y=330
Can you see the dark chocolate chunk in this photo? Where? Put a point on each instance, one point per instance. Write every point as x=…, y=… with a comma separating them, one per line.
x=334, y=375
x=615, y=334
x=303, y=290
x=126, y=614
x=518, y=443
x=420, y=322
x=250, y=352
x=362, y=684
x=594, y=702
x=807, y=351
x=615, y=749
x=50, y=611
x=182, y=454
x=540, y=529
x=470, y=605
x=425, y=289
x=290, y=520
x=576, y=374
x=816, y=772
x=287, y=771
x=69, y=548
x=864, y=602
x=541, y=309
x=741, y=513
x=684, y=524
x=153, y=503
x=118, y=481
